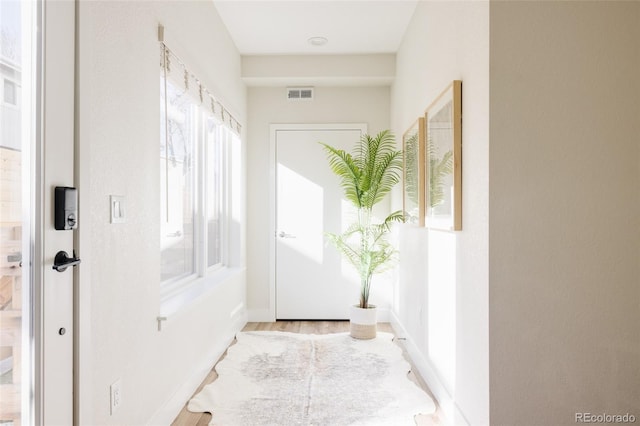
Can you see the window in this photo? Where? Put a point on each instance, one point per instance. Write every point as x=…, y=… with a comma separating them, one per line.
x=177, y=183
x=195, y=162
x=215, y=170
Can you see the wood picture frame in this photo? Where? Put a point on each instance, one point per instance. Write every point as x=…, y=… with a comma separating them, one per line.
x=413, y=173
x=443, y=121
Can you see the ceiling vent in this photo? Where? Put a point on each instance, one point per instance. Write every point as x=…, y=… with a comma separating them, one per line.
x=300, y=93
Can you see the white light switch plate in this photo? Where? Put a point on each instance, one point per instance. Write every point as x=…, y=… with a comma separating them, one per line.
x=117, y=209
x=115, y=399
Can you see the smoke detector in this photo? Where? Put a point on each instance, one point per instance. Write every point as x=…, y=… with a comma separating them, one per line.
x=317, y=41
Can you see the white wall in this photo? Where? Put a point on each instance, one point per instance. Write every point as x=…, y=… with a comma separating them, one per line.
x=118, y=137
x=442, y=298
x=565, y=210
x=268, y=105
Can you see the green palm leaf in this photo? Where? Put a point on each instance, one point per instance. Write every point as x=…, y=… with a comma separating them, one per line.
x=344, y=166
x=386, y=175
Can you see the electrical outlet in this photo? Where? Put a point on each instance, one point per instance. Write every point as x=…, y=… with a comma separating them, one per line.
x=116, y=395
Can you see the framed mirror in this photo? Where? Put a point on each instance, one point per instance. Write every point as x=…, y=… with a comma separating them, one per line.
x=443, y=120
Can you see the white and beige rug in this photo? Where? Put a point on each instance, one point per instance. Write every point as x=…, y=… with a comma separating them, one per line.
x=279, y=378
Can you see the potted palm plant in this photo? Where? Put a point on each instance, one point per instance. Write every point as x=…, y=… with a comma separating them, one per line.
x=366, y=177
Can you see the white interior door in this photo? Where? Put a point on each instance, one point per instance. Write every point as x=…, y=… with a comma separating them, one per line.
x=312, y=281
x=37, y=153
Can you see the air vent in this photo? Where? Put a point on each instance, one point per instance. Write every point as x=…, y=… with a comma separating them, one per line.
x=300, y=93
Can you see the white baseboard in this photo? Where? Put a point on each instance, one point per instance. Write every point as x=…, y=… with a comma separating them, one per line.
x=447, y=403
x=265, y=315
x=171, y=408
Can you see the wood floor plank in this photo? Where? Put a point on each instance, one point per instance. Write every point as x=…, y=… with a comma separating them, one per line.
x=204, y=420
x=186, y=418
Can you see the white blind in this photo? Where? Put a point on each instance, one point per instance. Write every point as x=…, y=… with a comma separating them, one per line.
x=179, y=74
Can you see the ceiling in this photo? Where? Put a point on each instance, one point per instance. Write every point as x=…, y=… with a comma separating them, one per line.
x=266, y=27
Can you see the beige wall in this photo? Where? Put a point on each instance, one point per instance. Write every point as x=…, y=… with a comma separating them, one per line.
x=118, y=137
x=565, y=211
x=268, y=105
x=326, y=70
x=442, y=296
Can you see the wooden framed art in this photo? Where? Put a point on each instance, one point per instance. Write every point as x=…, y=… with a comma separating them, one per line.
x=443, y=119
x=413, y=173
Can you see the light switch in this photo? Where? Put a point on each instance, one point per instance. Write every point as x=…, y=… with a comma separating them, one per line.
x=117, y=209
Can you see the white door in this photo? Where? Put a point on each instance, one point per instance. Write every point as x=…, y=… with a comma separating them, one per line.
x=37, y=150
x=312, y=281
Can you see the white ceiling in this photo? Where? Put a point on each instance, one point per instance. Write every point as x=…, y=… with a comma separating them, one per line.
x=266, y=27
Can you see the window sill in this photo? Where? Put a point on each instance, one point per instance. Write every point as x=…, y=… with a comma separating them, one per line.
x=174, y=304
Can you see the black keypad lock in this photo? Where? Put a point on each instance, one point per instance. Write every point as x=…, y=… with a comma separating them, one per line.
x=66, y=208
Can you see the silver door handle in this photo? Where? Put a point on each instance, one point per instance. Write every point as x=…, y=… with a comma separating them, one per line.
x=283, y=234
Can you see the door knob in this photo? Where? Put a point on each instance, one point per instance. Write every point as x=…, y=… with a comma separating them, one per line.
x=283, y=234
x=62, y=261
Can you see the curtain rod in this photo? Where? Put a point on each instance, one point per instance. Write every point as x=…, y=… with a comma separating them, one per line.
x=224, y=111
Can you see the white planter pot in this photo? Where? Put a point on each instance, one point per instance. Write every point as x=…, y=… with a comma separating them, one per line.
x=363, y=322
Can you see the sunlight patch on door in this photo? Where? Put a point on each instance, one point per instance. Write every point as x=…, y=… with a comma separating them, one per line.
x=301, y=208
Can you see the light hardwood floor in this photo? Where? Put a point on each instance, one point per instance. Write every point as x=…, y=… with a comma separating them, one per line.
x=187, y=418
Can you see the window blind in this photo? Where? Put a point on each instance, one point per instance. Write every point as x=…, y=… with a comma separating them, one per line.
x=177, y=71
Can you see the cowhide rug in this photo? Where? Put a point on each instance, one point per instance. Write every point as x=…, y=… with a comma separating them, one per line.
x=278, y=378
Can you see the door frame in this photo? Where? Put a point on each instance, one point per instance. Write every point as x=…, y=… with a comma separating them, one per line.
x=54, y=56
x=273, y=135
